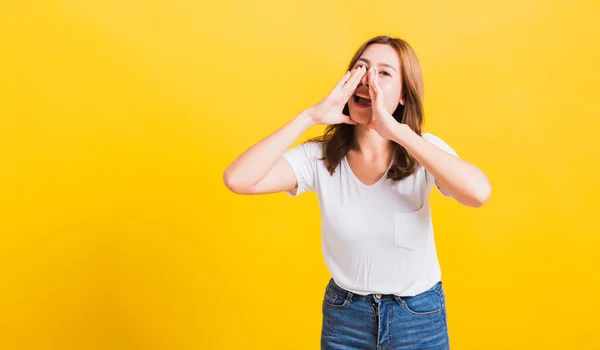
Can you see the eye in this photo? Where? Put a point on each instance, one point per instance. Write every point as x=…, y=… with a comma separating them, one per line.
x=385, y=73
x=360, y=65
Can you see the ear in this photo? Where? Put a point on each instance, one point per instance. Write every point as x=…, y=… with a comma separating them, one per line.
x=402, y=98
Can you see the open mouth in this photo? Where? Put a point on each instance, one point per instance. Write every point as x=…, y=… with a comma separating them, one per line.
x=362, y=100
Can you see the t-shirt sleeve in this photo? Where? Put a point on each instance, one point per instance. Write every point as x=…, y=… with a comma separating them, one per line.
x=438, y=142
x=303, y=159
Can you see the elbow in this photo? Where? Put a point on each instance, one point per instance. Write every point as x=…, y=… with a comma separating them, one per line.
x=233, y=184
x=475, y=193
x=230, y=183
x=480, y=195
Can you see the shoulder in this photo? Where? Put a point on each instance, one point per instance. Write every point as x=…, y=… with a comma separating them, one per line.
x=431, y=137
x=310, y=150
x=313, y=148
x=438, y=142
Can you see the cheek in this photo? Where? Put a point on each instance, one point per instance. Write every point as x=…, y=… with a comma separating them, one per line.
x=391, y=94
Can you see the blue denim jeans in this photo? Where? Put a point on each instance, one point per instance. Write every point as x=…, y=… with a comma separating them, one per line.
x=374, y=322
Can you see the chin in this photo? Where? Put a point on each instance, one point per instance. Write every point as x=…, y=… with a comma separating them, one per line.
x=359, y=116
x=360, y=119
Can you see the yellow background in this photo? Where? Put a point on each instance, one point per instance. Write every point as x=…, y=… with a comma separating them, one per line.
x=117, y=119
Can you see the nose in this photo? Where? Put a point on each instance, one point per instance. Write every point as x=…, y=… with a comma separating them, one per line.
x=364, y=81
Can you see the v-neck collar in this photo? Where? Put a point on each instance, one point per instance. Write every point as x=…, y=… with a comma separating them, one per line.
x=355, y=178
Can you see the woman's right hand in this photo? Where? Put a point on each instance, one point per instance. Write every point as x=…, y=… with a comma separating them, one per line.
x=329, y=110
x=262, y=169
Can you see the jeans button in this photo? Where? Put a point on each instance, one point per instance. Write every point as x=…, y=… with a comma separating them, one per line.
x=378, y=296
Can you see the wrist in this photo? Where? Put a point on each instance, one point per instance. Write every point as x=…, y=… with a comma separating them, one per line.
x=307, y=118
x=401, y=133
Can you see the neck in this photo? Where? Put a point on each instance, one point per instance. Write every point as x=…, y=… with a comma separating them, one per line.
x=370, y=145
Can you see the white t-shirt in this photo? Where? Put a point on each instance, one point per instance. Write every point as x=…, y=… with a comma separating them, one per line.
x=377, y=238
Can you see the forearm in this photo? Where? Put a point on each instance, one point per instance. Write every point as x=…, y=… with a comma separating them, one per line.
x=460, y=179
x=254, y=164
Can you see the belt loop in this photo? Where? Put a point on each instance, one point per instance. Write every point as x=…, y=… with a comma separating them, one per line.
x=349, y=296
x=398, y=300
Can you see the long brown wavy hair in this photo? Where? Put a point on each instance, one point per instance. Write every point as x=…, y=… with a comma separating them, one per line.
x=338, y=139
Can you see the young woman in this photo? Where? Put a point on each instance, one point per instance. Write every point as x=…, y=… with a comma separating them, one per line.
x=373, y=171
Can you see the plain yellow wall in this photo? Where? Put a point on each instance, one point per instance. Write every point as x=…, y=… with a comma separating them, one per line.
x=117, y=119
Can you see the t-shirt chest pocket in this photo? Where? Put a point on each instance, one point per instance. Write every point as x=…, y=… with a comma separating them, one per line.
x=412, y=229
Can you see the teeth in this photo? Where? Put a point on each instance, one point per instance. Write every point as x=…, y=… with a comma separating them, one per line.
x=363, y=96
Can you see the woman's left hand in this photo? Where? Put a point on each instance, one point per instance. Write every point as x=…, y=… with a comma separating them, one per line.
x=382, y=121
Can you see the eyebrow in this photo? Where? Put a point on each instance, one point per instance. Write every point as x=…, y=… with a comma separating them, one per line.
x=381, y=64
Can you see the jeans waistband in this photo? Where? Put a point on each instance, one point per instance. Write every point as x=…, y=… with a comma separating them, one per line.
x=369, y=297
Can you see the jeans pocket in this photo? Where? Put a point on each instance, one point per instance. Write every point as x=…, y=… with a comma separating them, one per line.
x=426, y=303
x=335, y=298
x=412, y=229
